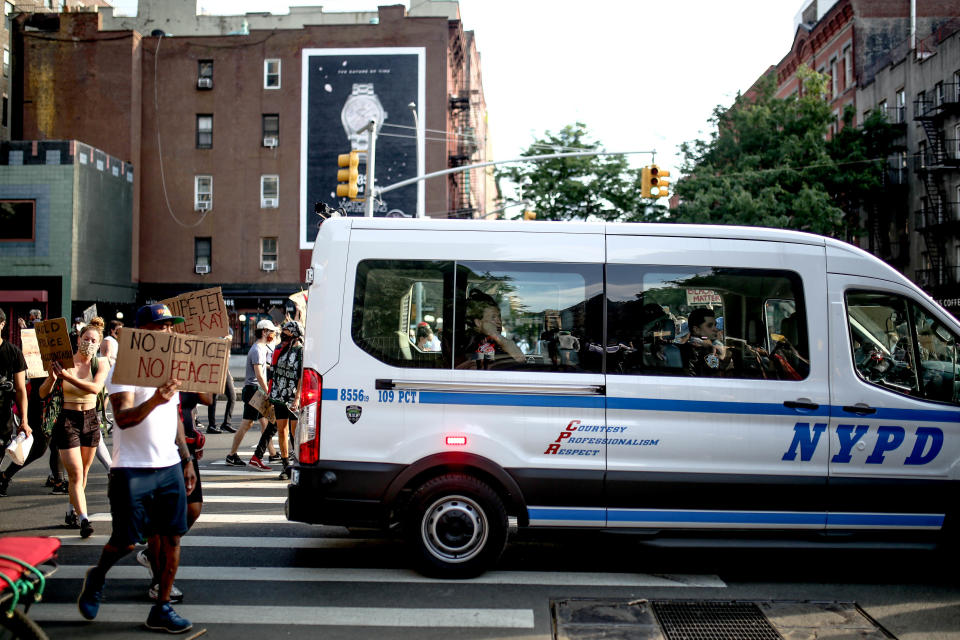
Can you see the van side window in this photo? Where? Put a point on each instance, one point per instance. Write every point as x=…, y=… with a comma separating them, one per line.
x=399, y=307
x=881, y=340
x=529, y=316
x=937, y=355
x=706, y=322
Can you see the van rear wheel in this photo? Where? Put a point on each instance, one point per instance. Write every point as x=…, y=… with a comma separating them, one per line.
x=457, y=526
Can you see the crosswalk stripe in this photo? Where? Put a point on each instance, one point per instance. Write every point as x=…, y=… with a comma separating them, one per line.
x=240, y=471
x=243, y=542
x=266, y=484
x=313, y=574
x=244, y=499
x=319, y=616
x=220, y=518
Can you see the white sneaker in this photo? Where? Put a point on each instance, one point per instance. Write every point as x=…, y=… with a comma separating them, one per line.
x=175, y=594
x=144, y=562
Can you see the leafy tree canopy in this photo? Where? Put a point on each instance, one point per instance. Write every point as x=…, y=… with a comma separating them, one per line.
x=770, y=163
x=580, y=188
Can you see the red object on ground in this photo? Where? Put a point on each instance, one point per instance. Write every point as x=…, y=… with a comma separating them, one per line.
x=32, y=550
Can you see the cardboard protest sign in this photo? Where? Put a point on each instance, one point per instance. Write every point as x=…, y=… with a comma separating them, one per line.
x=151, y=358
x=54, y=343
x=204, y=312
x=262, y=403
x=31, y=353
x=89, y=313
x=300, y=301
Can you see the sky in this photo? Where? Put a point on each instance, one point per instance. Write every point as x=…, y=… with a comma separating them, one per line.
x=641, y=75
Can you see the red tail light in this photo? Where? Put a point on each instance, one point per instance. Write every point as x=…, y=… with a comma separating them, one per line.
x=308, y=429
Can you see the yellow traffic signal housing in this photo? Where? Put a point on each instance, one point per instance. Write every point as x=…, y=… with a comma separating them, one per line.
x=645, y=183
x=661, y=184
x=529, y=215
x=348, y=175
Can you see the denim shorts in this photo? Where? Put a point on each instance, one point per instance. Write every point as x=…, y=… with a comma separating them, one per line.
x=144, y=502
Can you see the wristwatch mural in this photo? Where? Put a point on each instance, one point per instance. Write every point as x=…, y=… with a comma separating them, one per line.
x=360, y=108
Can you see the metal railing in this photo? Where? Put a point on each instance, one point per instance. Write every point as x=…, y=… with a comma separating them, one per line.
x=931, y=278
x=931, y=217
x=933, y=157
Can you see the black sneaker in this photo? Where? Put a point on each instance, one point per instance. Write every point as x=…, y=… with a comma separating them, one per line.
x=226, y=426
x=72, y=521
x=60, y=488
x=285, y=474
x=86, y=529
x=51, y=481
x=214, y=429
x=275, y=457
x=4, y=483
x=235, y=461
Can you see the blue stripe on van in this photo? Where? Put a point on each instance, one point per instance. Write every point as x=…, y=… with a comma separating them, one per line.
x=328, y=394
x=615, y=516
x=929, y=520
x=585, y=516
x=906, y=415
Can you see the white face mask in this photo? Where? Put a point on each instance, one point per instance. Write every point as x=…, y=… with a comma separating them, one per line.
x=87, y=349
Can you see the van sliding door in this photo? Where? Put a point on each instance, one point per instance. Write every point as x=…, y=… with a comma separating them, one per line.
x=717, y=384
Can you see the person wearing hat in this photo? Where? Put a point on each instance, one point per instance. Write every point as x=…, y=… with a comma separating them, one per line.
x=151, y=477
x=285, y=390
x=258, y=358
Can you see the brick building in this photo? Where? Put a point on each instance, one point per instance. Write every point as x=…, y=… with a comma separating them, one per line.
x=222, y=133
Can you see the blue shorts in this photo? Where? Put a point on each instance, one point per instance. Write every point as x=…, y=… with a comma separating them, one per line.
x=144, y=502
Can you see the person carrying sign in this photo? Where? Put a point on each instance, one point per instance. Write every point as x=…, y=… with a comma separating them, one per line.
x=150, y=479
x=257, y=360
x=12, y=388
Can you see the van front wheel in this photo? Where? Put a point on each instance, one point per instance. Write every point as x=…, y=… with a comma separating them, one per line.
x=457, y=526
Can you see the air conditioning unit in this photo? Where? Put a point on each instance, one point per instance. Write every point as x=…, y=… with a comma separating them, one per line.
x=271, y=141
x=204, y=83
x=269, y=265
x=269, y=203
x=202, y=269
x=204, y=206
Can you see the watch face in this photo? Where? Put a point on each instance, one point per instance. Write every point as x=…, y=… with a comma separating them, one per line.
x=360, y=110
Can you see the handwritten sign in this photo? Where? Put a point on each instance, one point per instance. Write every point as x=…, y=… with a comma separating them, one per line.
x=703, y=296
x=31, y=353
x=54, y=343
x=89, y=313
x=300, y=301
x=204, y=312
x=151, y=358
x=262, y=403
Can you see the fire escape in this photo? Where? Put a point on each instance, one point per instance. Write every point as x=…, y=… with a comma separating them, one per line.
x=938, y=219
x=887, y=213
x=462, y=148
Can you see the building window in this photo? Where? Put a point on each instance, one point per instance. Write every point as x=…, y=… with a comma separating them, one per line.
x=834, y=78
x=921, y=104
x=271, y=73
x=847, y=67
x=204, y=131
x=901, y=115
x=268, y=254
x=7, y=8
x=6, y=61
x=882, y=108
x=956, y=86
x=922, y=153
x=17, y=220
x=3, y=116
x=271, y=129
x=203, y=193
x=205, y=74
x=938, y=94
x=202, y=250
x=269, y=192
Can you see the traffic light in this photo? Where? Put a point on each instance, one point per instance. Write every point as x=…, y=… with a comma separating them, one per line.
x=529, y=215
x=652, y=182
x=348, y=175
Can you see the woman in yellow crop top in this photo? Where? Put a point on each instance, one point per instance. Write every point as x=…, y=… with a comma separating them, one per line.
x=77, y=429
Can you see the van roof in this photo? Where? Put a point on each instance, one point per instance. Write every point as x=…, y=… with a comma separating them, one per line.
x=608, y=228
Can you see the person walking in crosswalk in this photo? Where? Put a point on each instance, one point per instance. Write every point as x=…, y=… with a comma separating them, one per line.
x=150, y=479
x=257, y=360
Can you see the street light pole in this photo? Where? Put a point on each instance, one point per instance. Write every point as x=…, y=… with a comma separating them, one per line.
x=368, y=191
x=420, y=160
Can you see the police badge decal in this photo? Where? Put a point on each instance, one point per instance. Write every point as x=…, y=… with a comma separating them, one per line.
x=353, y=413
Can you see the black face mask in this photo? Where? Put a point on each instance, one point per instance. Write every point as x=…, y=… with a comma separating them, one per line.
x=285, y=338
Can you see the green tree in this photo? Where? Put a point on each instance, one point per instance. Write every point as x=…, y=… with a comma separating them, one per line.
x=769, y=163
x=594, y=187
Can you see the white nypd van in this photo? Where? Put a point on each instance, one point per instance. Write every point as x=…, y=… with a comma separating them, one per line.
x=463, y=375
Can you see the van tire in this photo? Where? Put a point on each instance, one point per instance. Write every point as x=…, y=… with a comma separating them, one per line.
x=456, y=525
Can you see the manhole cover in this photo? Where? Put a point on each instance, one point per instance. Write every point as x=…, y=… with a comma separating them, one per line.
x=642, y=619
x=713, y=621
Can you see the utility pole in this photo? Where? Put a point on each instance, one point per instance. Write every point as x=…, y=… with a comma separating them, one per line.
x=416, y=125
x=368, y=190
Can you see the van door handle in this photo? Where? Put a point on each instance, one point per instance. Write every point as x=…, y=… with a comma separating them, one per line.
x=860, y=409
x=796, y=404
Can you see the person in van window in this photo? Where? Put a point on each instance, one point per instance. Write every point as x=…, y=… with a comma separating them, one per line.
x=426, y=340
x=484, y=340
x=706, y=355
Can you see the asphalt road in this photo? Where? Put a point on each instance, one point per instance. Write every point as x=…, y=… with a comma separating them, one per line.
x=248, y=572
